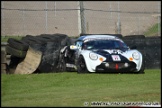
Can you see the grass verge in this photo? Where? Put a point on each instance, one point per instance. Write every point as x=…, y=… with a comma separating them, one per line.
x=5, y=38
x=72, y=89
x=152, y=31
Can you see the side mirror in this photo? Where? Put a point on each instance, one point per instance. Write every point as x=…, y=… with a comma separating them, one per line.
x=133, y=47
x=73, y=47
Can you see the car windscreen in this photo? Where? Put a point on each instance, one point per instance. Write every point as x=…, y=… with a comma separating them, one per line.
x=104, y=44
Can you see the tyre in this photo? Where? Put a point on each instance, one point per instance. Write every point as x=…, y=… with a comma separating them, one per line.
x=15, y=52
x=134, y=37
x=53, y=37
x=39, y=47
x=62, y=64
x=32, y=40
x=49, y=62
x=51, y=47
x=81, y=65
x=47, y=38
x=72, y=41
x=18, y=44
x=43, y=39
x=15, y=61
x=66, y=42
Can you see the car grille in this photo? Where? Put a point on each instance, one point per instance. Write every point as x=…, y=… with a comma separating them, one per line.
x=117, y=66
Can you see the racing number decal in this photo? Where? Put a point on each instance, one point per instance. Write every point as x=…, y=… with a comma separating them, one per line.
x=115, y=57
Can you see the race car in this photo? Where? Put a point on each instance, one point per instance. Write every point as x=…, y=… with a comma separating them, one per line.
x=102, y=53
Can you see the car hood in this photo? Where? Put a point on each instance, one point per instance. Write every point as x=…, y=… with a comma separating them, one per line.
x=108, y=54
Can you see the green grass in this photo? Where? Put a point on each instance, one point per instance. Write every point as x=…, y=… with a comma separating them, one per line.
x=72, y=89
x=5, y=38
x=152, y=31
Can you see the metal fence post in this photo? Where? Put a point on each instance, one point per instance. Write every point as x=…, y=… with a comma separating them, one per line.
x=83, y=25
x=55, y=8
x=23, y=12
x=3, y=20
x=46, y=17
x=159, y=19
x=119, y=22
x=79, y=20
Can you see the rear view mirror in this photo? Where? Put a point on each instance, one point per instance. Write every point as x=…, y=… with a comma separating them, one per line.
x=73, y=47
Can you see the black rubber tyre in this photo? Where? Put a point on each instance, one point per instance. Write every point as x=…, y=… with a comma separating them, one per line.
x=15, y=52
x=18, y=44
x=32, y=40
x=44, y=39
x=81, y=66
x=72, y=40
x=62, y=64
x=39, y=47
x=51, y=47
x=134, y=37
x=66, y=42
x=49, y=62
x=53, y=37
x=14, y=61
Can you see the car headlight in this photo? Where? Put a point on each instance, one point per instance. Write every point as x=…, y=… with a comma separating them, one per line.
x=93, y=56
x=135, y=55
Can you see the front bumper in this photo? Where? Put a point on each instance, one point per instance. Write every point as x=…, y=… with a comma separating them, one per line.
x=116, y=67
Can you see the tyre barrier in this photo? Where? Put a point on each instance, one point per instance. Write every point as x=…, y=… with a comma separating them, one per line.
x=134, y=37
x=150, y=47
x=50, y=62
x=18, y=44
x=32, y=40
x=51, y=44
x=15, y=52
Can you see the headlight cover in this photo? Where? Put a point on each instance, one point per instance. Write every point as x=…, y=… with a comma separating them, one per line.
x=136, y=55
x=93, y=56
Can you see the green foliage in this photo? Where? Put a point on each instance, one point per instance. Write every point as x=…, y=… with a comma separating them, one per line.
x=72, y=89
x=152, y=31
x=5, y=38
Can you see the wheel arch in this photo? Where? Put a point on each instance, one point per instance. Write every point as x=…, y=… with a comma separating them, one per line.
x=87, y=62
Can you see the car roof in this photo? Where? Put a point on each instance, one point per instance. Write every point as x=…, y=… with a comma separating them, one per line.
x=85, y=37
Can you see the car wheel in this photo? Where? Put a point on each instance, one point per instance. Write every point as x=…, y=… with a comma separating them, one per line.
x=81, y=66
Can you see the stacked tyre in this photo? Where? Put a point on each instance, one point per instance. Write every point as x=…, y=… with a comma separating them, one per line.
x=136, y=40
x=49, y=44
x=17, y=49
x=153, y=52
